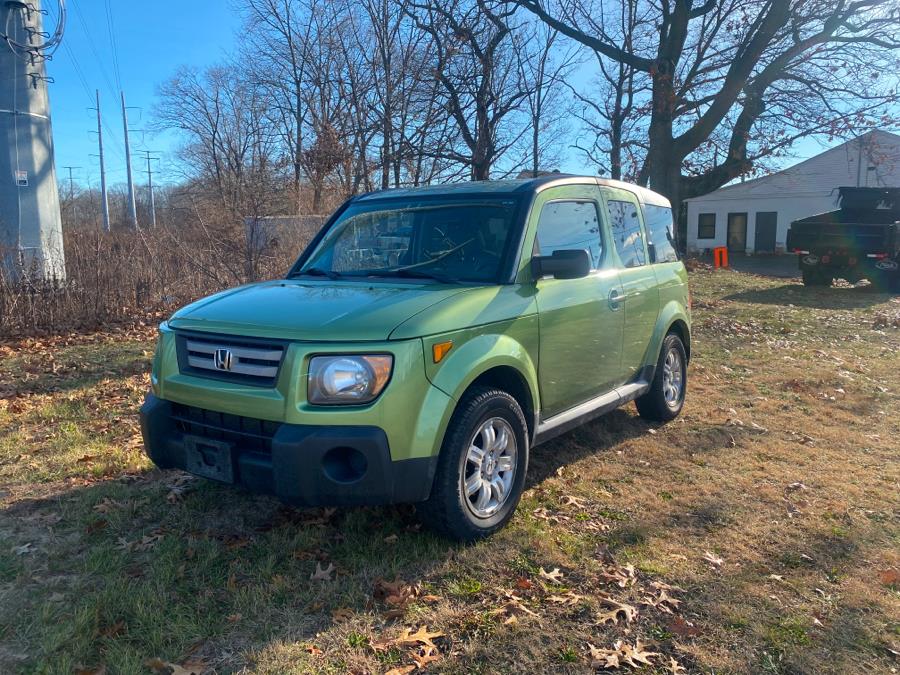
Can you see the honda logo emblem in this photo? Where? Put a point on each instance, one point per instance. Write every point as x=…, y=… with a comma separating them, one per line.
x=223, y=359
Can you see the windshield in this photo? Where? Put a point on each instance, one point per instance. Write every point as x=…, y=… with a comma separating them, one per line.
x=445, y=240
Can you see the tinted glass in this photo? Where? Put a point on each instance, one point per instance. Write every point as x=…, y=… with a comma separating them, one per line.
x=627, y=234
x=661, y=231
x=462, y=240
x=569, y=225
x=706, y=226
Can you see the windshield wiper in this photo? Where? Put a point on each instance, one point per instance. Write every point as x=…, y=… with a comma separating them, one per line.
x=317, y=272
x=409, y=273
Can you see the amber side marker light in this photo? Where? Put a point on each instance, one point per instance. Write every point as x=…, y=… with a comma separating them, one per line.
x=440, y=350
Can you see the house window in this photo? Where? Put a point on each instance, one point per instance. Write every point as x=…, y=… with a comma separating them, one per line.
x=706, y=226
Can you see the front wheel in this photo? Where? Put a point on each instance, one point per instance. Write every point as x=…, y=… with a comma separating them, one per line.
x=665, y=398
x=481, y=469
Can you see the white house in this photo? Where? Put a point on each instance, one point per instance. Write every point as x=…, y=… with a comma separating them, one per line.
x=754, y=216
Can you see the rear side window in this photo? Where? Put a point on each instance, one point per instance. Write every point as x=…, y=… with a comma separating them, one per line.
x=661, y=232
x=627, y=233
x=568, y=225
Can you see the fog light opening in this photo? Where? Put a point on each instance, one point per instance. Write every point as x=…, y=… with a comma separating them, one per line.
x=344, y=465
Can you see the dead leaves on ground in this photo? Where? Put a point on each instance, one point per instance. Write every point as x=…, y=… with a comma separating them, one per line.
x=621, y=654
x=421, y=649
x=554, y=575
x=398, y=595
x=322, y=573
x=192, y=667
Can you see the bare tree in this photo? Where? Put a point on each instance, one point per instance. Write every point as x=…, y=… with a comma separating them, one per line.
x=544, y=64
x=725, y=75
x=476, y=62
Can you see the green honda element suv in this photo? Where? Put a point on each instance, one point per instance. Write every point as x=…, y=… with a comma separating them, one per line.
x=424, y=342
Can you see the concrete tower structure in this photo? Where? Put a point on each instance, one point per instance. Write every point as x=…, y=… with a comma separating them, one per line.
x=30, y=225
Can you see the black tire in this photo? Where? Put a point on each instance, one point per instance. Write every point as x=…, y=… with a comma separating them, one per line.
x=654, y=405
x=816, y=278
x=448, y=510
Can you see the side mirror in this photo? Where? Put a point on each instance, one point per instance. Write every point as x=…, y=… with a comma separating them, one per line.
x=568, y=264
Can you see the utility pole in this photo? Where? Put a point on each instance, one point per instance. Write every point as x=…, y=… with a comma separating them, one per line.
x=30, y=223
x=150, y=187
x=104, y=198
x=132, y=206
x=72, y=192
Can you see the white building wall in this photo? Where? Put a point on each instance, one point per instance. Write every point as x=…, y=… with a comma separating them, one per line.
x=788, y=209
x=802, y=190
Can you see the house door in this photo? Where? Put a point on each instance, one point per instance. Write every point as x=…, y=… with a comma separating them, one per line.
x=737, y=232
x=766, y=226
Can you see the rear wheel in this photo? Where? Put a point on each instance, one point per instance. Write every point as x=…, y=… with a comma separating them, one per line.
x=481, y=469
x=816, y=278
x=665, y=398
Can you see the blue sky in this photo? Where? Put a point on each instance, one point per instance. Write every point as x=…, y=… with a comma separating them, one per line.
x=151, y=41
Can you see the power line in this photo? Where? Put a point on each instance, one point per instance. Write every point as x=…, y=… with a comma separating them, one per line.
x=117, y=146
x=93, y=47
x=110, y=25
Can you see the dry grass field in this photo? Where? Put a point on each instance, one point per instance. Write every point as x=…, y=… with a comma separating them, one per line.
x=759, y=533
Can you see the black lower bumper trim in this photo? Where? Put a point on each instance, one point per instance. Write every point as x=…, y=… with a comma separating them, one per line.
x=308, y=465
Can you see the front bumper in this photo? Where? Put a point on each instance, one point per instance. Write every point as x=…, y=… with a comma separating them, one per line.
x=306, y=465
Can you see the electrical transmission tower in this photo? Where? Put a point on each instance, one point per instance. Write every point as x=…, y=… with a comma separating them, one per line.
x=132, y=205
x=151, y=158
x=30, y=224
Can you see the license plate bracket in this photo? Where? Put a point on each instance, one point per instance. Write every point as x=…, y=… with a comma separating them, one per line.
x=209, y=458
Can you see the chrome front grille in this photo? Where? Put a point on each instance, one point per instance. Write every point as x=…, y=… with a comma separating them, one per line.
x=233, y=359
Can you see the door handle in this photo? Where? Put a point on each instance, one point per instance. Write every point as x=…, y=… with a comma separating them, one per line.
x=614, y=299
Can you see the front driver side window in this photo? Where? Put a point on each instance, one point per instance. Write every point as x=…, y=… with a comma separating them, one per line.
x=567, y=225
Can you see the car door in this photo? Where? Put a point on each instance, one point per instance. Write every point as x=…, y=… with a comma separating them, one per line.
x=580, y=319
x=639, y=286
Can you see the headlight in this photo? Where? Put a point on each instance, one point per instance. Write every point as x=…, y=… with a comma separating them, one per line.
x=348, y=379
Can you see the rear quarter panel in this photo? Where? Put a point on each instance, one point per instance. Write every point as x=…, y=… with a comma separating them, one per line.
x=672, y=282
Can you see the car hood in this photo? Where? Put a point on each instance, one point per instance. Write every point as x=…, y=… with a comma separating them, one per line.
x=312, y=310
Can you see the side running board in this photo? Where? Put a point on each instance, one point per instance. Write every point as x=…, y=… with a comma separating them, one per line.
x=566, y=421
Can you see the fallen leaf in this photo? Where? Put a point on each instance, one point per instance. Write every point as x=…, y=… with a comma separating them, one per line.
x=234, y=618
x=165, y=668
x=683, y=628
x=713, y=559
x=616, y=609
x=889, y=577
x=425, y=655
x=569, y=598
x=420, y=636
x=512, y=609
x=23, y=549
x=391, y=539
x=553, y=575
x=106, y=505
x=577, y=502
x=621, y=576
x=675, y=668
x=663, y=601
x=341, y=614
x=400, y=670
x=322, y=574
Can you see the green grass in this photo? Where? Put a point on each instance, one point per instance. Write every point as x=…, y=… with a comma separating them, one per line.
x=102, y=563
